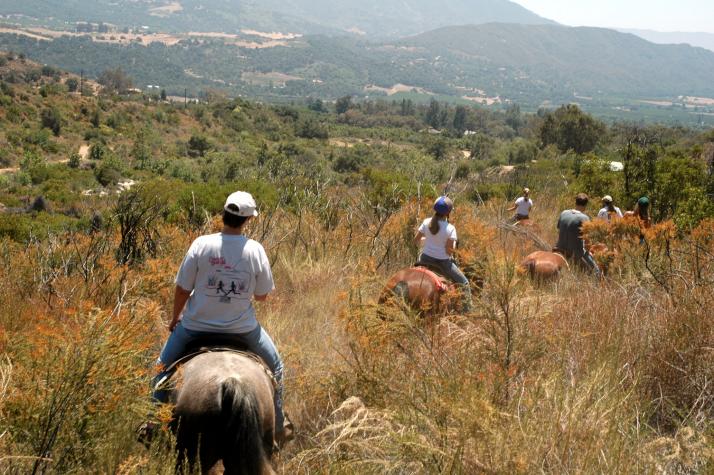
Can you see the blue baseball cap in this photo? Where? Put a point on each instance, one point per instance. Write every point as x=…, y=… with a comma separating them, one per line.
x=443, y=205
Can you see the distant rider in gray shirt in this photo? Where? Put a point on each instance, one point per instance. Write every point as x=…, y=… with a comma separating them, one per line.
x=570, y=239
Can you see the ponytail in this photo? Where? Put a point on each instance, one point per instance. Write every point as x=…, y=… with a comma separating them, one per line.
x=434, y=223
x=611, y=207
x=643, y=212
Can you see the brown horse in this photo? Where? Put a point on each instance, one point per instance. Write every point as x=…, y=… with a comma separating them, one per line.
x=224, y=413
x=426, y=291
x=421, y=288
x=544, y=265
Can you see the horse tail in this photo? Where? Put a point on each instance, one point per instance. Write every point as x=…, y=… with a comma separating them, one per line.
x=243, y=440
x=530, y=268
x=397, y=290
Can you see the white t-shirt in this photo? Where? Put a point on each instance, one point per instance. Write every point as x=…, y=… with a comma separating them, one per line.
x=223, y=272
x=605, y=213
x=435, y=244
x=523, y=206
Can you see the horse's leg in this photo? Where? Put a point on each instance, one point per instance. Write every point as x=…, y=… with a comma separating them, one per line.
x=210, y=451
x=187, y=440
x=269, y=441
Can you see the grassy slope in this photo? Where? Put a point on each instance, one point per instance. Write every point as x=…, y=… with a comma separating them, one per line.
x=584, y=60
x=580, y=376
x=378, y=19
x=526, y=64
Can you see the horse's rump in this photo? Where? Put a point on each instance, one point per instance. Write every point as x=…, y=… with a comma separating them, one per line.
x=543, y=265
x=224, y=411
x=418, y=286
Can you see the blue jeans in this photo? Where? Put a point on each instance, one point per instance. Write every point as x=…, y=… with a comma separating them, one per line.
x=256, y=341
x=451, y=271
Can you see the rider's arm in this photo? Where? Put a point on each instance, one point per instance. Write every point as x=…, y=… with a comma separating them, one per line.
x=512, y=208
x=264, y=278
x=450, y=246
x=418, y=238
x=180, y=298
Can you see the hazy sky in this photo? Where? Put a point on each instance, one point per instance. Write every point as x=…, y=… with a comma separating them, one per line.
x=661, y=15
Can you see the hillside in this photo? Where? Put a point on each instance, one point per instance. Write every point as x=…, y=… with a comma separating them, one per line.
x=587, y=61
x=389, y=18
x=614, y=74
x=576, y=376
x=702, y=40
x=395, y=18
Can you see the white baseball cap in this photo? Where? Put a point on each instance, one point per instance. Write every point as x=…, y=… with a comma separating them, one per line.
x=243, y=201
x=607, y=199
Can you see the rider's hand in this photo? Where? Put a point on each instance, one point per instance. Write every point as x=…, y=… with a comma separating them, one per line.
x=173, y=324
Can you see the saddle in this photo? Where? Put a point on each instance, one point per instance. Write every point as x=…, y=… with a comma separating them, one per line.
x=433, y=273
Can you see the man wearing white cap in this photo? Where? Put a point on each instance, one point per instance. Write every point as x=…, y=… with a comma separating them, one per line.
x=218, y=279
x=609, y=209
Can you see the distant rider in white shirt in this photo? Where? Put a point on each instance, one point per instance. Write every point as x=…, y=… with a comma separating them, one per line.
x=609, y=210
x=522, y=207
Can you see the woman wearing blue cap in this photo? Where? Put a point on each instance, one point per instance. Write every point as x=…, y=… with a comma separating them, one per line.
x=439, y=240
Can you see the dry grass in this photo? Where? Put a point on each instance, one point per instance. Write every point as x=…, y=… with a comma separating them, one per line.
x=577, y=377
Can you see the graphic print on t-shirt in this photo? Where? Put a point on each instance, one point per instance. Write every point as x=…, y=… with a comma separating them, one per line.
x=228, y=283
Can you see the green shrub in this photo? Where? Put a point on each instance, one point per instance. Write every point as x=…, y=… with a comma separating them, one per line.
x=596, y=177
x=97, y=151
x=35, y=166
x=51, y=119
x=21, y=227
x=74, y=160
x=694, y=206
x=311, y=129
x=198, y=145
x=110, y=171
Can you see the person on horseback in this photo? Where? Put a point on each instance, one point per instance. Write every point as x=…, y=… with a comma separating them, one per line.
x=570, y=239
x=609, y=210
x=641, y=213
x=438, y=238
x=522, y=207
x=218, y=280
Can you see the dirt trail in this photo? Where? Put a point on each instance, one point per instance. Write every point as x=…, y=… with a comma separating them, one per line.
x=84, y=151
x=83, y=154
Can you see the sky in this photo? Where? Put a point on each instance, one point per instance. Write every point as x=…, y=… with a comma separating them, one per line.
x=660, y=15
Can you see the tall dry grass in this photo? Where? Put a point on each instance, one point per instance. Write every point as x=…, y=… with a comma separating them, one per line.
x=577, y=377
